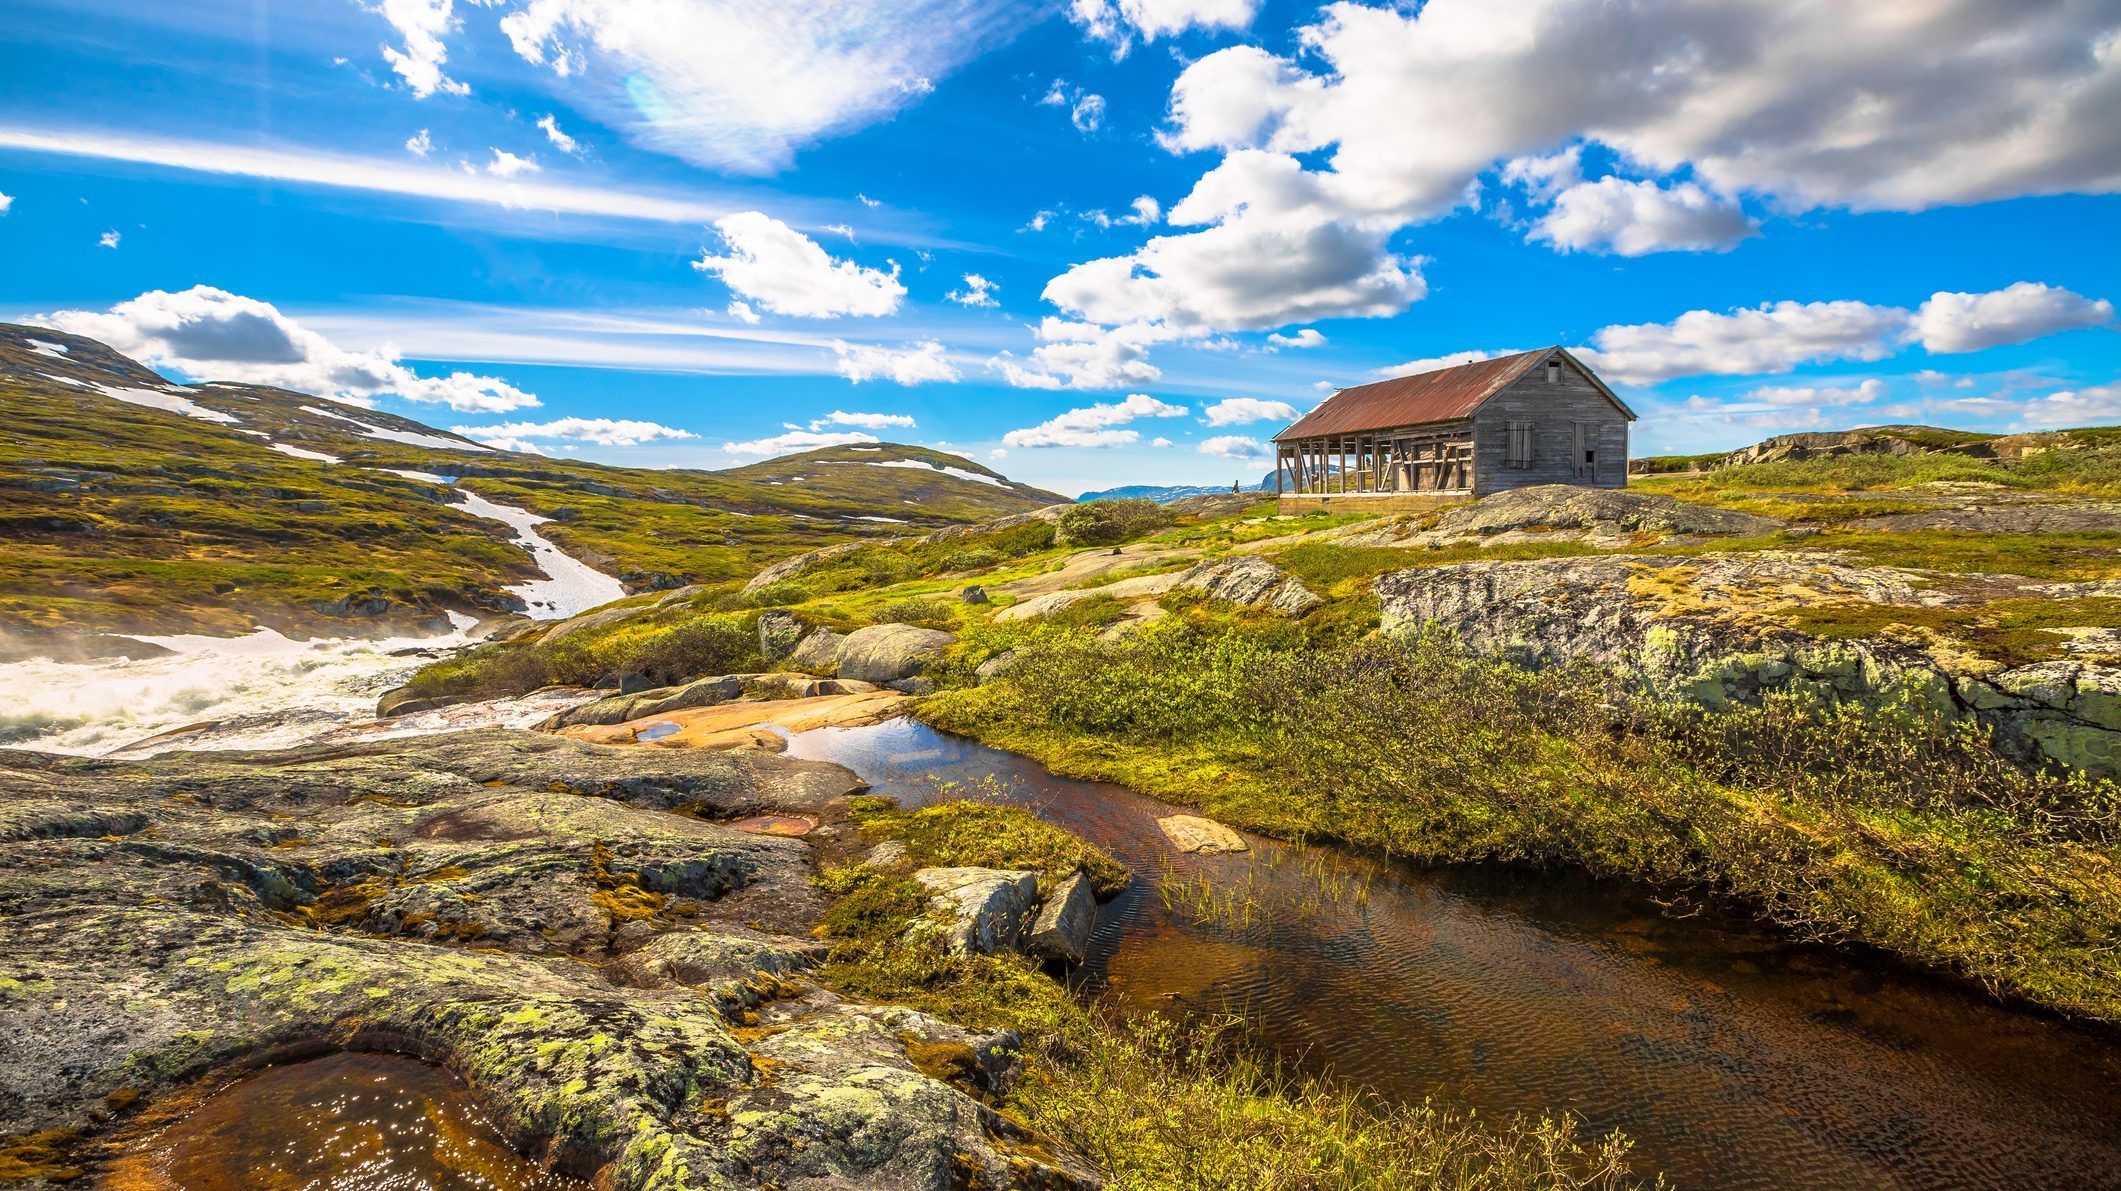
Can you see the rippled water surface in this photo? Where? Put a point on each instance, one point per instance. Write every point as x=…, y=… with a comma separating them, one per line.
x=1732, y=1058
x=347, y=1122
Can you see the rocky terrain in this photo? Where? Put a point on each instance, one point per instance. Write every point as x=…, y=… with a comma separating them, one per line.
x=577, y=932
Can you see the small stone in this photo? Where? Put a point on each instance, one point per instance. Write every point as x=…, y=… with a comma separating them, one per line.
x=1061, y=933
x=886, y=854
x=1191, y=833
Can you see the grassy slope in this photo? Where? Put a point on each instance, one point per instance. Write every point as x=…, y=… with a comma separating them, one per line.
x=130, y=518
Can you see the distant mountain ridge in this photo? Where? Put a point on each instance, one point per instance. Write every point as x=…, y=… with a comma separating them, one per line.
x=133, y=504
x=1164, y=494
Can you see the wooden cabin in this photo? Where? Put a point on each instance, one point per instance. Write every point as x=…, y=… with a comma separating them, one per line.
x=1537, y=417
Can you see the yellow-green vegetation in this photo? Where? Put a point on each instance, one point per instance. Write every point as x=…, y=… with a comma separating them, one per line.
x=1169, y=1108
x=2077, y=462
x=1159, y=1105
x=2009, y=632
x=129, y=518
x=961, y=829
x=660, y=646
x=1881, y=825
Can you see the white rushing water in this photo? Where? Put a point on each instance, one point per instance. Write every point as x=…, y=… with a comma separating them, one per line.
x=267, y=690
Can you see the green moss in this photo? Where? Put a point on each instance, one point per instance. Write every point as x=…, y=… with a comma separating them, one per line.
x=962, y=830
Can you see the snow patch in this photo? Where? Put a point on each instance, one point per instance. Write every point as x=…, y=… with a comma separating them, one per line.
x=299, y=453
x=56, y=351
x=570, y=587
x=168, y=401
x=917, y=464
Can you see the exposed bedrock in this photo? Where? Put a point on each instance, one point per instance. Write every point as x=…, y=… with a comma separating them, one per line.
x=565, y=926
x=1706, y=629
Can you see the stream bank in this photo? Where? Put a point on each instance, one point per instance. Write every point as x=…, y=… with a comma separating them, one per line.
x=1731, y=1057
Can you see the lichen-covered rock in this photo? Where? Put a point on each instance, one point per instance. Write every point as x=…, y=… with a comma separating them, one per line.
x=997, y=665
x=602, y=618
x=779, y=633
x=985, y=910
x=1703, y=629
x=887, y=652
x=1061, y=932
x=1604, y=511
x=457, y=898
x=1250, y=580
x=818, y=653
x=788, y=568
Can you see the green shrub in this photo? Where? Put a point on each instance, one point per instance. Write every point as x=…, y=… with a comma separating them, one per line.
x=694, y=648
x=929, y=614
x=778, y=595
x=1110, y=522
x=979, y=558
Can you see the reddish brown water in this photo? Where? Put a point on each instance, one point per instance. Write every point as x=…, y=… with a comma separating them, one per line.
x=346, y=1122
x=1732, y=1058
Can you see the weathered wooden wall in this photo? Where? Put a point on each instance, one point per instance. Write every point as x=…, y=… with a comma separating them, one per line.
x=1554, y=408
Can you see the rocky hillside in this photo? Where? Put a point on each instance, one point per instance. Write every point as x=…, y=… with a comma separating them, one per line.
x=133, y=504
x=1895, y=441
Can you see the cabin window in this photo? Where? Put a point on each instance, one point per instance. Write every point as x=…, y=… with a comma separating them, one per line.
x=1518, y=448
x=1553, y=371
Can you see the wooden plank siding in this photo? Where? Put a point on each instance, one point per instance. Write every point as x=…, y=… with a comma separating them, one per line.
x=1554, y=409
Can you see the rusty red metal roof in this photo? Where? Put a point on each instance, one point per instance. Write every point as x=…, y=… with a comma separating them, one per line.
x=1439, y=396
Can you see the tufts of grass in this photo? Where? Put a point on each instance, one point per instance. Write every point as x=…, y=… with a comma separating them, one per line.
x=968, y=827
x=1880, y=824
x=1160, y=1105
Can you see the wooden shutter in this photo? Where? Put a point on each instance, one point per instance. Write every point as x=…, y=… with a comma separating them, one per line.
x=1578, y=456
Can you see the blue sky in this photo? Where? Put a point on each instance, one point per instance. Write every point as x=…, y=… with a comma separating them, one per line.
x=671, y=233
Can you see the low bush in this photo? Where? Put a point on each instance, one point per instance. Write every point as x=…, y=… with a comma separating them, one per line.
x=778, y=595
x=1110, y=522
x=927, y=613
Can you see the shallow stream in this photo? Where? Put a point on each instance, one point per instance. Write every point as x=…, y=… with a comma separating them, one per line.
x=1733, y=1058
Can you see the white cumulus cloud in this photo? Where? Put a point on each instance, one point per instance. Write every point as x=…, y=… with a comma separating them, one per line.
x=914, y=364
x=1077, y=355
x=776, y=267
x=1957, y=322
x=7, y=203
x=1307, y=337
x=1772, y=338
x=108, y=239
x=2076, y=407
x=1239, y=411
x=1233, y=446
x=978, y=291
x=866, y=420
x=605, y=432
x=550, y=126
x=422, y=24
x=1095, y=425
x=508, y=165
x=1434, y=363
x=419, y=144
x=1637, y=218
x=797, y=440
x=1121, y=21
x=210, y=334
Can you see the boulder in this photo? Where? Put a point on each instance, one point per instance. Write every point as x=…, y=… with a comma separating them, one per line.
x=1061, y=932
x=779, y=633
x=1252, y=581
x=402, y=701
x=820, y=651
x=985, y=909
x=1191, y=833
x=998, y=665
x=912, y=686
x=887, y=652
x=789, y=568
x=972, y=593
x=618, y=709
